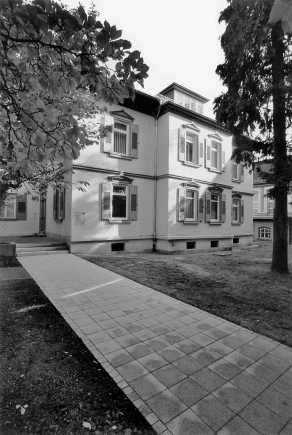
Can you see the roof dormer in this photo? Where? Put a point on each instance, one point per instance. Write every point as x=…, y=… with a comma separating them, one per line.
x=185, y=97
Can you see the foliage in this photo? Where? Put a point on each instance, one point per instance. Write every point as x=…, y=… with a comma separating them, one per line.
x=246, y=108
x=55, y=66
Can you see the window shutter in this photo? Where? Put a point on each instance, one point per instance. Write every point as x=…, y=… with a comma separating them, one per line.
x=21, y=206
x=55, y=201
x=242, y=211
x=181, y=144
x=108, y=141
x=208, y=153
x=223, y=208
x=208, y=205
x=222, y=159
x=106, y=203
x=241, y=172
x=62, y=204
x=201, y=209
x=135, y=137
x=201, y=154
x=133, y=203
x=181, y=203
x=220, y=167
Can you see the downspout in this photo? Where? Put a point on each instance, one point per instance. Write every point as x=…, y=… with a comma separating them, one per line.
x=155, y=178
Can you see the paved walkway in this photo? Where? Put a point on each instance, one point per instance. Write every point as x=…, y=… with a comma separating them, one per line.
x=187, y=371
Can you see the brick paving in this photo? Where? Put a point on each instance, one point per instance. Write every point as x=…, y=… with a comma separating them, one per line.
x=186, y=370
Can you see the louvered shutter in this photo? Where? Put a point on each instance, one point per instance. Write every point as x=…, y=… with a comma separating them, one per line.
x=21, y=206
x=222, y=159
x=135, y=139
x=107, y=141
x=242, y=211
x=208, y=153
x=55, y=203
x=181, y=144
x=62, y=204
x=241, y=172
x=106, y=201
x=133, y=202
x=201, y=154
x=208, y=205
x=201, y=209
x=223, y=208
x=181, y=194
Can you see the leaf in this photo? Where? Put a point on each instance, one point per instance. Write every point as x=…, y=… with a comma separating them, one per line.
x=86, y=425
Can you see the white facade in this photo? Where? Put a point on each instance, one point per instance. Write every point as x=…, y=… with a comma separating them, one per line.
x=161, y=178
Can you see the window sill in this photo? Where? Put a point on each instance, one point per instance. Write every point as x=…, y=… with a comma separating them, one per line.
x=215, y=223
x=236, y=223
x=193, y=165
x=8, y=219
x=119, y=221
x=215, y=170
x=191, y=222
x=236, y=180
x=121, y=156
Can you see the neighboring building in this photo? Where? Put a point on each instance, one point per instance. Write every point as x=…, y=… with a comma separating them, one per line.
x=263, y=206
x=162, y=178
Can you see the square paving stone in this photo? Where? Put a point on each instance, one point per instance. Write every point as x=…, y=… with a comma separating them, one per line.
x=189, y=392
x=213, y=412
x=152, y=362
x=237, y=426
x=216, y=333
x=172, y=338
x=232, y=397
x=119, y=358
x=249, y=383
x=263, y=419
x=264, y=372
x=159, y=330
x=169, y=375
x=108, y=346
x=147, y=386
x=156, y=344
x=202, y=339
x=187, y=365
x=128, y=340
x=187, y=346
x=225, y=369
x=239, y=359
x=204, y=358
x=171, y=353
x=219, y=348
x=166, y=406
x=251, y=352
x=277, y=402
x=188, y=423
x=287, y=430
x=208, y=379
x=131, y=370
x=139, y=350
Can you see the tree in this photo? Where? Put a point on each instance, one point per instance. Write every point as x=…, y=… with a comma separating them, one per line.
x=257, y=105
x=56, y=66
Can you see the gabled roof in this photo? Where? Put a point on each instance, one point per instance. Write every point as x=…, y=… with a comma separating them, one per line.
x=184, y=90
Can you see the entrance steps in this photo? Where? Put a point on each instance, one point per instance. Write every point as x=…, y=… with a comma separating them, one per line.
x=40, y=248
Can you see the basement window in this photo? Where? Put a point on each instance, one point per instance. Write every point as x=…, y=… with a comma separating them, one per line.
x=118, y=247
x=214, y=243
x=191, y=245
x=235, y=239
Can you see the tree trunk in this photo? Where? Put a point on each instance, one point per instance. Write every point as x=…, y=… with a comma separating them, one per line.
x=280, y=237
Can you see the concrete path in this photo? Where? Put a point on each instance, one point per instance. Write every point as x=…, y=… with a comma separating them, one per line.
x=187, y=371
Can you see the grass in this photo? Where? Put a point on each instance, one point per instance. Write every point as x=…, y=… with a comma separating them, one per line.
x=239, y=287
x=46, y=367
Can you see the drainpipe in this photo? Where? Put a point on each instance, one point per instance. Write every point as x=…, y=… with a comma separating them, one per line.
x=155, y=178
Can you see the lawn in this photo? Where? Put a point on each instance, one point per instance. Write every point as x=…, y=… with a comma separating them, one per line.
x=50, y=383
x=239, y=287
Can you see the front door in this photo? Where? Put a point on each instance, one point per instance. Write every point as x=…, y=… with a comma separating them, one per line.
x=43, y=200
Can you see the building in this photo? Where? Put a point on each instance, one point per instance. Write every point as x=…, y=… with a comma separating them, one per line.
x=162, y=178
x=263, y=205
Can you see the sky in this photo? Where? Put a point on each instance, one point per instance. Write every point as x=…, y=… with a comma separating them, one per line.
x=179, y=40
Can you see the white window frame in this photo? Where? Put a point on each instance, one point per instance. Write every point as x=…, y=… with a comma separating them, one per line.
x=195, y=203
x=126, y=187
x=237, y=202
x=194, y=152
x=218, y=201
x=128, y=135
x=217, y=145
x=9, y=197
x=238, y=169
x=264, y=233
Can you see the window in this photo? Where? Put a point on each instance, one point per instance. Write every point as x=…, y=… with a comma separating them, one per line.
x=192, y=148
x=264, y=233
x=236, y=210
x=59, y=203
x=235, y=171
x=235, y=240
x=121, y=137
x=8, y=207
x=215, y=155
x=215, y=207
x=119, y=246
x=191, y=245
x=214, y=243
x=119, y=202
x=191, y=204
